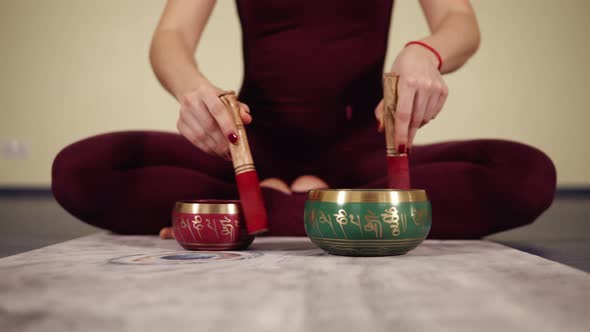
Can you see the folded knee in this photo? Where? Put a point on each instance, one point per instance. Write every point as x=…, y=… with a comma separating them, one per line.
x=63, y=172
x=74, y=184
x=531, y=186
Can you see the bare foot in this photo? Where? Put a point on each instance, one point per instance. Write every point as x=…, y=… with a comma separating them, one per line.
x=306, y=183
x=276, y=184
x=166, y=233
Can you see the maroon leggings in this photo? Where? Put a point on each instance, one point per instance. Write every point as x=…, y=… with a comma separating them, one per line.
x=127, y=182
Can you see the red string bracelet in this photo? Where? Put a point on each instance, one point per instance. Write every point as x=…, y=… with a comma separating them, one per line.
x=430, y=48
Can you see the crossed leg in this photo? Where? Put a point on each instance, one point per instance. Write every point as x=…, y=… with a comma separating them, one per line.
x=127, y=182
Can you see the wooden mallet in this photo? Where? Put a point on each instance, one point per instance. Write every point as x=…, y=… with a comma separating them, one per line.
x=246, y=177
x=398, y=170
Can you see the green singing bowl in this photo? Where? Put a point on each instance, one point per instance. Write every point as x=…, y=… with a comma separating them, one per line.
x=367, y=222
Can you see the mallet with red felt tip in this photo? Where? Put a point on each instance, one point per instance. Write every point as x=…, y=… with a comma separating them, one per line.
x=398, y=170
x=246, y=176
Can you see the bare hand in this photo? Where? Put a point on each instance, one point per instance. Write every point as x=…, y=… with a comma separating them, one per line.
x=421, y=91
x=205, y=121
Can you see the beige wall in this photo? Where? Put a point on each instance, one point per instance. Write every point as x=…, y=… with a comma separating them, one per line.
x=70, y=69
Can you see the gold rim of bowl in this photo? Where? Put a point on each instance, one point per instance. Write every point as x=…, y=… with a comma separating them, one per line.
x=342, y=196
x=208, y=207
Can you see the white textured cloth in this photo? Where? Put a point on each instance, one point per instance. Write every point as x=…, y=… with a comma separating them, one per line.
x=141, y=283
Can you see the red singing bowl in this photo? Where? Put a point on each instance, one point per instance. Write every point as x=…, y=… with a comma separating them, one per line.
x=210, y=225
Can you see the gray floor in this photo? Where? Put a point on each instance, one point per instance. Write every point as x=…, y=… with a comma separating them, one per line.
x=561, y=234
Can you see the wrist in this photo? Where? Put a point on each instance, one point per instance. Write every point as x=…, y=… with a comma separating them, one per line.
x=429, y=50
x=191, y=84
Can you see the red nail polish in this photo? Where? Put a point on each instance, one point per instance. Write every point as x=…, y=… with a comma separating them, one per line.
x=233, y=138
x=401, y=148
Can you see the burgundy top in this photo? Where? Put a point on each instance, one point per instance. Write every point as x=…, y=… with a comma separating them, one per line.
x=305, y=65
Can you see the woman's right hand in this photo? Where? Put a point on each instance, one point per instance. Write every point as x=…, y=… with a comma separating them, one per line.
x=205, y=121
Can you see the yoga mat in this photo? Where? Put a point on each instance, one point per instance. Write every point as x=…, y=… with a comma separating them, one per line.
x=142, y=283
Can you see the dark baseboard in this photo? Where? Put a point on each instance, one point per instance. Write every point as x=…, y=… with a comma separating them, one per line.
x=562, y=192
x=573, y=192
x=25, y=192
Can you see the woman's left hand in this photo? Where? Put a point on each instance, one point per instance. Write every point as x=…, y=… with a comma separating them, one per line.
x=421, y=92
